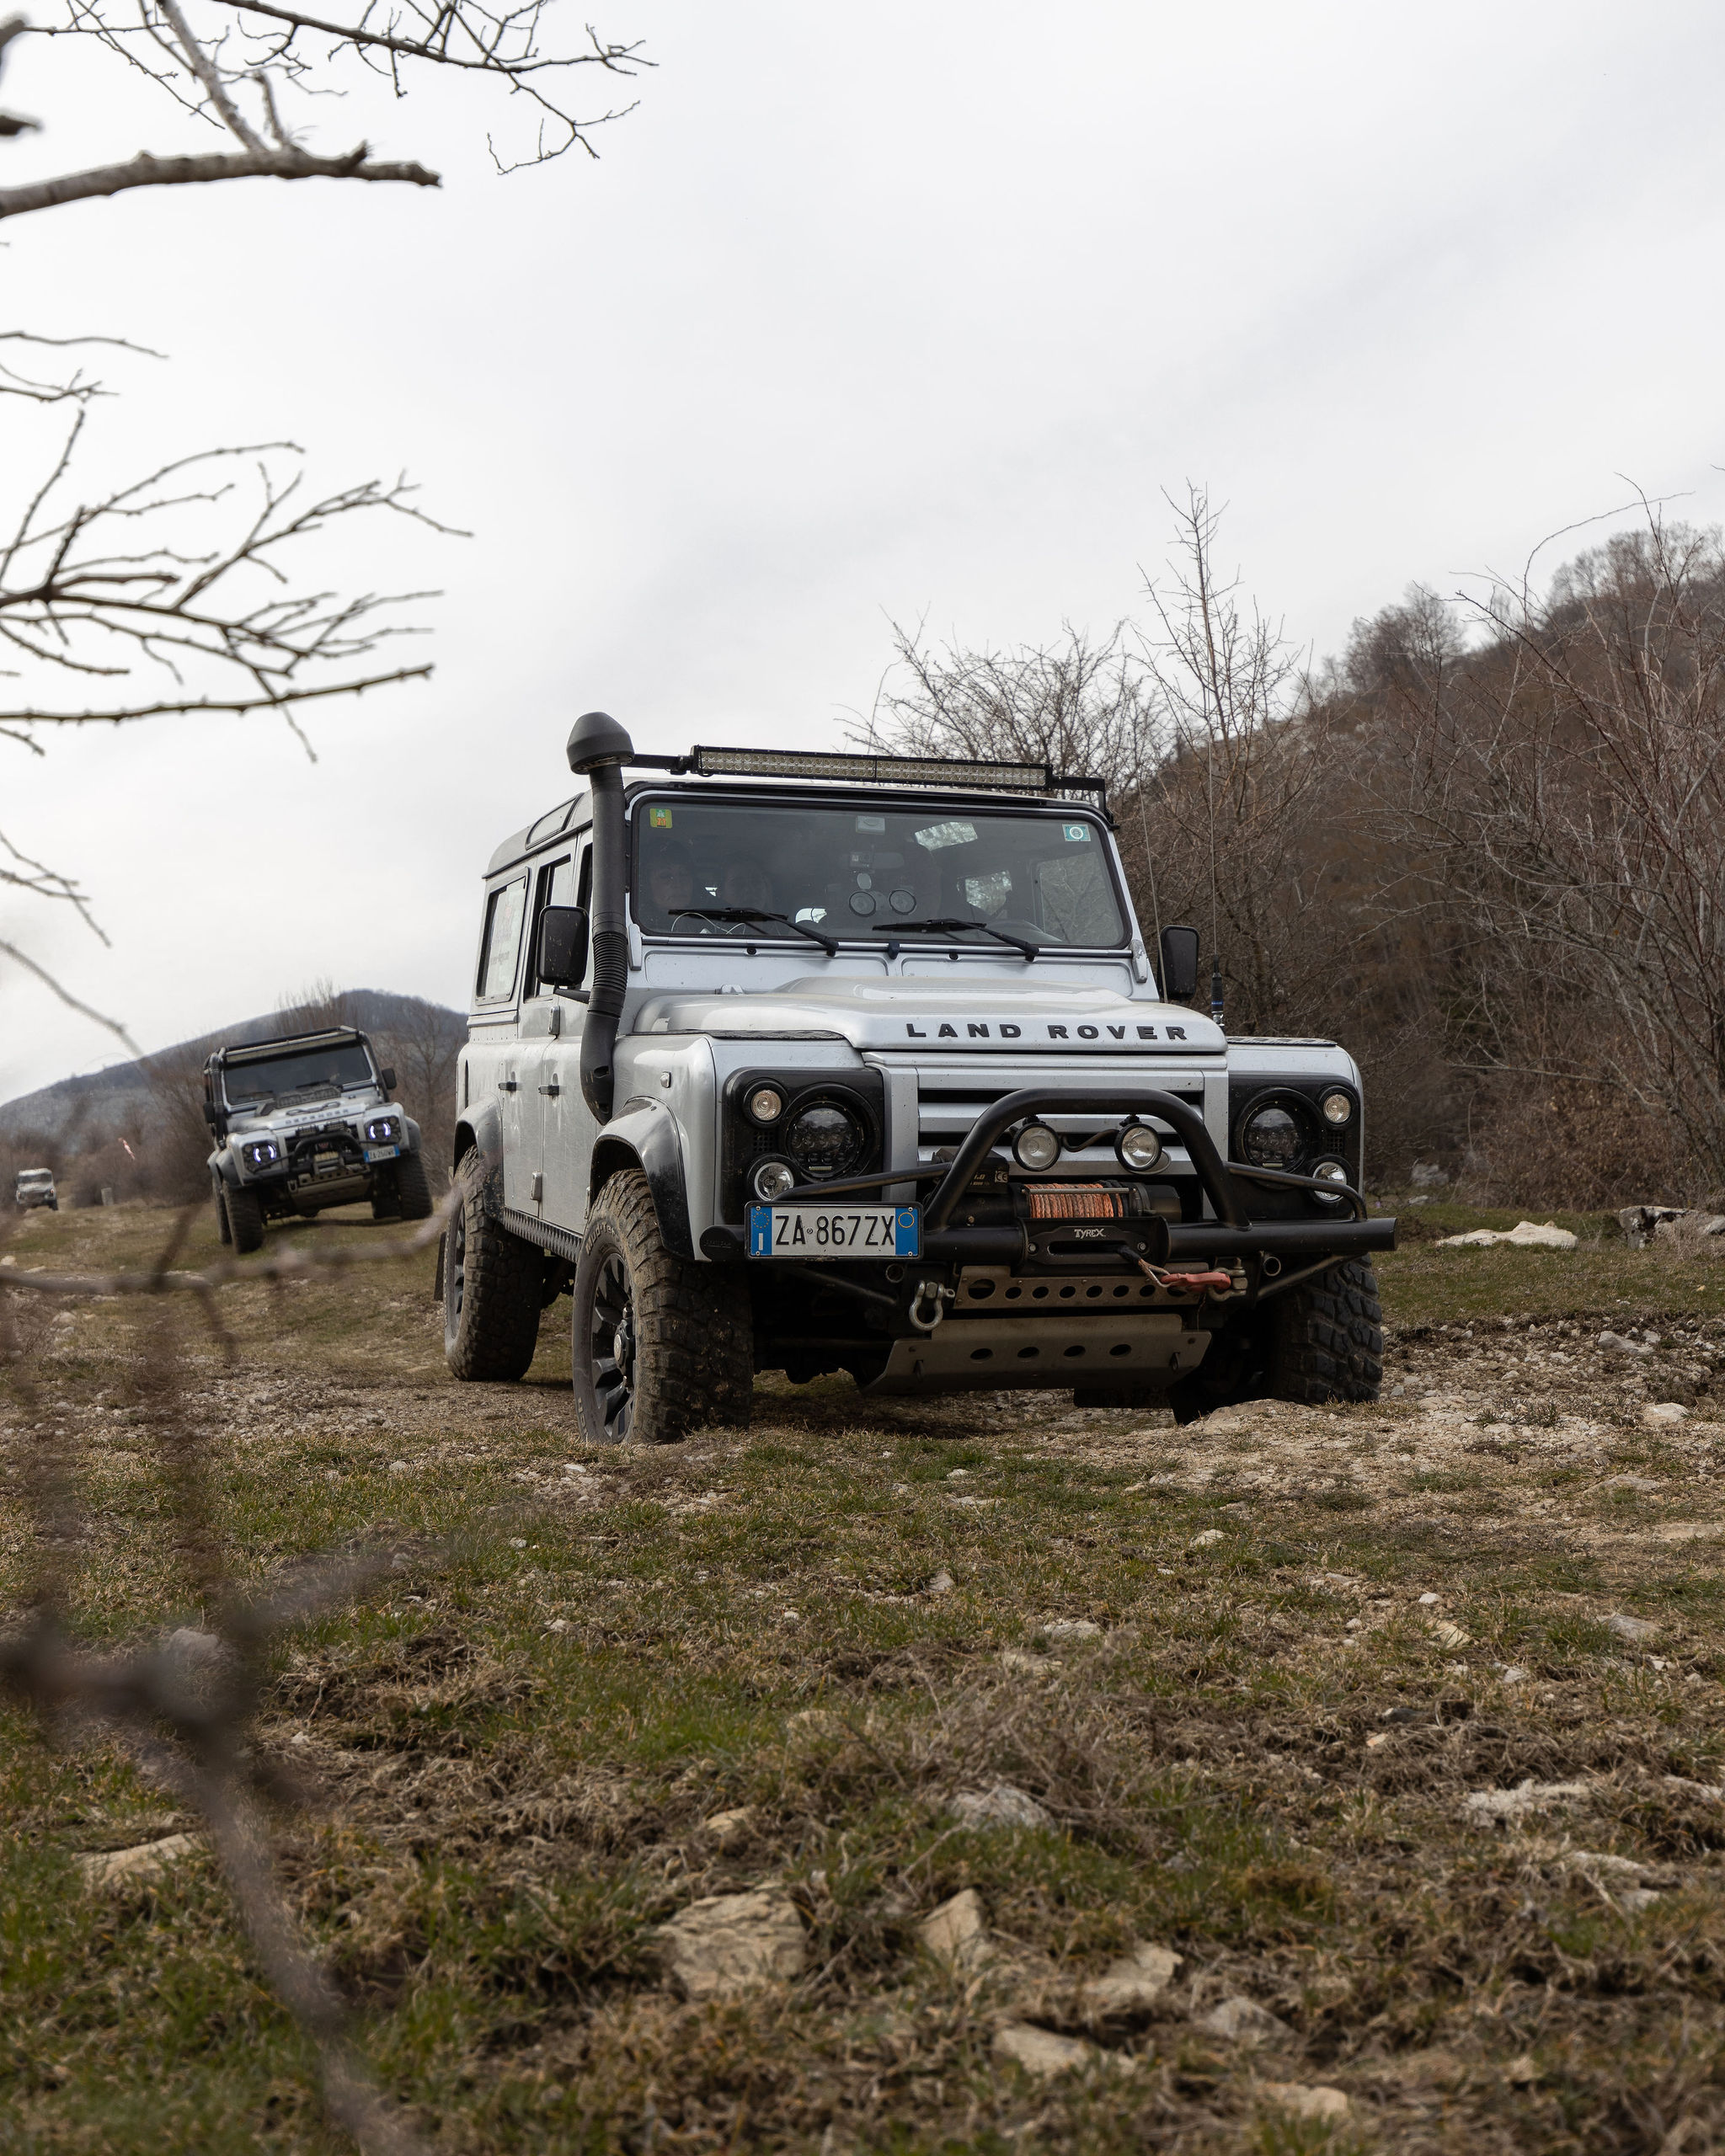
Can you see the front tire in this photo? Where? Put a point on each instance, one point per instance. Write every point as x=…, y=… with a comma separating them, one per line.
x=413, y=1191
x=660, y=1346
x=221, y=1226
x=245, y=1219
x=493, y=1282
x=1325, y=1339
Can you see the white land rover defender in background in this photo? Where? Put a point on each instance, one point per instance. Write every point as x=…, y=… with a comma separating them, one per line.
x=305, y=1122
x=820, y=1063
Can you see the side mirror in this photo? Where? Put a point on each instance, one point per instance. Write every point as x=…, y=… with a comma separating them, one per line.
x=1179, y=982
x=560, y=959
x=387, y=1077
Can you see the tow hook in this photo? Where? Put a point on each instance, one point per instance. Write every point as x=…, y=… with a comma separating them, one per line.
x=932, y=1293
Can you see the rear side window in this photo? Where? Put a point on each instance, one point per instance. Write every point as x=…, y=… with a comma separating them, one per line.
x=505, y=912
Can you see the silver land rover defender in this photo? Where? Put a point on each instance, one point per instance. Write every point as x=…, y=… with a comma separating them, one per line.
x=306, y=1121
x=822, y=1063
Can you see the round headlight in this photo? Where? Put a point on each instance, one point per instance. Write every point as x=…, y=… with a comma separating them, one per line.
x=1271, y=1139
x=1336, y=1107
x=767, y=1104
x=1329, y=1172
x=773, y=1179
x=1138, y=1147
x=826, y=1140
x=1036, y=1146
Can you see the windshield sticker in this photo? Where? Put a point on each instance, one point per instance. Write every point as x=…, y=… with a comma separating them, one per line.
x=660, y=819
x=871, y=823
x=1075, y=834
x=943, y=834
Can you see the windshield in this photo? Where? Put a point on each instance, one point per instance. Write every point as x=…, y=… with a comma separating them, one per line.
x=863, y=874
x=306, y=1074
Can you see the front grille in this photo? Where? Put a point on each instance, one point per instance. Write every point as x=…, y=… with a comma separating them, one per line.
x=947, y=1108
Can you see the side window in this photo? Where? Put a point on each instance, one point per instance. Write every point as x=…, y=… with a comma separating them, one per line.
x=504, y=911
x=557, y=887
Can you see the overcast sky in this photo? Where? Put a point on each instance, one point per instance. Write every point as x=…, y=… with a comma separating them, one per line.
x=865, y=314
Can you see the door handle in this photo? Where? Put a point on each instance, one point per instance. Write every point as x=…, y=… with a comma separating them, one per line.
x=507, y=1086
x=553, y=1088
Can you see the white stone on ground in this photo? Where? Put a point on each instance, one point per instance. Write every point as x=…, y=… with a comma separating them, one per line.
x=1242, y=2020
x=1135, y=1980
x=1528, y=1795
x=725, y=1944
x=1663, y=1412
x=1630, y=1628
x=955, y=1933
x=1040, y=2051
x=999, y=1805
x=1203, y=1541
x=1304, y=2099
x=1525, y=1236
x=1070, y=1628
x=727, y=1828
x=146, y=1861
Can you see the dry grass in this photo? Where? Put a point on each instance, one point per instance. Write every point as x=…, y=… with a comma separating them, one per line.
x=1261, y=1759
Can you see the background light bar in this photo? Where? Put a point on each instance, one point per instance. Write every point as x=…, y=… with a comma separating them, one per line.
x=905, y=771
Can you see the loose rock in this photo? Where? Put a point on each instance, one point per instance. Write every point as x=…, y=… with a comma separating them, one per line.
x=1528, y=1795
x=1242, y=2020
x=1305, y=2101
x=1070, y=1628
x=1210, y=1534
x=955, y=1933
x=728, y=1943
x=1040, y=2051
x=1630, y=1628
x=728, y=1828
x=1525, y=1234
x=1135, y=1980
x=1614, y=1343
x=942, y=1584
x=132, y=1866
x=1664, y=1412
x=1000, y=1806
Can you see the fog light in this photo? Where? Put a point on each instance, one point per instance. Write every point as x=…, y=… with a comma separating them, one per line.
x=1329, y=1172
x=767, y=1104
x=1137, y=1146
x=772, y=1180
x=1036, y=1146
x=1336, y=1107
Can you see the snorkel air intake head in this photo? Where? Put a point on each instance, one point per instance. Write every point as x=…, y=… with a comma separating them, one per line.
x=598, y=748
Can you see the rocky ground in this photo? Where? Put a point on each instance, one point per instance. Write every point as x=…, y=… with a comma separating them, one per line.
x=906, y=1776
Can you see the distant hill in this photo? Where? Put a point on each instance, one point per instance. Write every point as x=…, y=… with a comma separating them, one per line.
x=103, y=1096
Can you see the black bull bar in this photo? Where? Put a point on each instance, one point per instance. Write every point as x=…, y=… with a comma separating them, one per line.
x=1232, y=1233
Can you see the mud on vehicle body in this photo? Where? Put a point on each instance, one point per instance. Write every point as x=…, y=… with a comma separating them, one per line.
x=305, y=1122
x=859, y=1064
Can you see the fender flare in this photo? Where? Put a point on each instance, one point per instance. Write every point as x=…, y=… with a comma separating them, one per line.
x=643, y=1134
x=411, y=1131
x=224, y=1165
x=483, y=1128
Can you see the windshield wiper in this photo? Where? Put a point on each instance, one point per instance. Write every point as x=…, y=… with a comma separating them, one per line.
x=754, y=913
x=948, y=927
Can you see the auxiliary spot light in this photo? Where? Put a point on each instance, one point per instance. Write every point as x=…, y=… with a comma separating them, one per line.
x=1137, y=1146
x=1036, y=1146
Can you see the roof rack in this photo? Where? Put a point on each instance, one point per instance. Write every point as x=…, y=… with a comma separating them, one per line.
x=261, y=1051
x=877, y=770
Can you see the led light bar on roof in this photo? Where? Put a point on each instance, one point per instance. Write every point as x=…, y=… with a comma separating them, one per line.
x=903, y=770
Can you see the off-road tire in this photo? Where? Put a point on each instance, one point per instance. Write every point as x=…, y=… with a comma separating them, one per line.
x=413, y=1191
x=492, y=1285
x=221, y=1226
x=690, y=1357
x=245, y=1218
x=1325, y=1340
x=385, y=1204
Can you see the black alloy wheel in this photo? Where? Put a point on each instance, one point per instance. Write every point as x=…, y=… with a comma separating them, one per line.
x=611, y=1349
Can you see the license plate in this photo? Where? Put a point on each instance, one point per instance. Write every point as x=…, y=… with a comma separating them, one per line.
x=807, y=1231
x=381, y=1152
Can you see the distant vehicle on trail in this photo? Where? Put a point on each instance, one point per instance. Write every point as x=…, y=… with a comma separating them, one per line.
x=34, y=1187
x=306, y=1121
x=820, y=1063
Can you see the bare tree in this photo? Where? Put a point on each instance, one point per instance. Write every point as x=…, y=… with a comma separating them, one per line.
x=186, y=590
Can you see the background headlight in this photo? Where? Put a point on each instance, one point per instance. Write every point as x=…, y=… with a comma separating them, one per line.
x=826, y=1140
x=1336, y=1107
x=1036, y=1146
x=261, y=1154
x=1271, y=1139
x=1138, y=1146
x=773, y=1179
x=384, y=1132
x=1329, y=1172
x=767, y=1104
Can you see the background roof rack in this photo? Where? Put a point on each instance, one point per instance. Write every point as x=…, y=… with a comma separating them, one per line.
x=876, y=770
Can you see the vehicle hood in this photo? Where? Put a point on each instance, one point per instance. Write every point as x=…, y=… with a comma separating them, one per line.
x=913, y=1012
